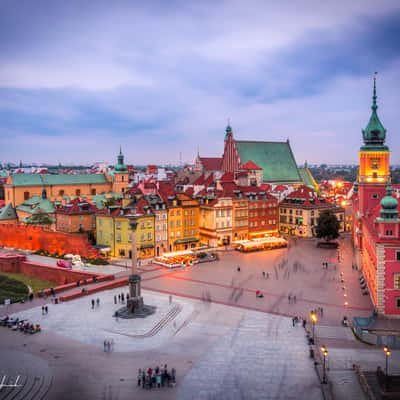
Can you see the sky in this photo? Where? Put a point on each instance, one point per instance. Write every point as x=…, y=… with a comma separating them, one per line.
x=161, y=78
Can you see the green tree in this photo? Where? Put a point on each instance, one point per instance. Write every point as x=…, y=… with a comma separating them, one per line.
x=39, y=219
x=327, y=226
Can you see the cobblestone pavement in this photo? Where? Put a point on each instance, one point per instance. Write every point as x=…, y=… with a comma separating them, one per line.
x=264, y=357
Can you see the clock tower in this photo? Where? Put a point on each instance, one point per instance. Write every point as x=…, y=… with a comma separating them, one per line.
x=374, y=169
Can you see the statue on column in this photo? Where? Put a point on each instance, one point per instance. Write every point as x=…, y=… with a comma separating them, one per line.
x=135, y=308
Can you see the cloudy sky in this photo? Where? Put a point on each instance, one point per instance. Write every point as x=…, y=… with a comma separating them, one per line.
x=79, y=78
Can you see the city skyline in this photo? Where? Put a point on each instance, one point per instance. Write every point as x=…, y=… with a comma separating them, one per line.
x=76, y=81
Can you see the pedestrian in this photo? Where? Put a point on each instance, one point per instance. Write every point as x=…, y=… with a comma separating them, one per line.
x=127, y=297
x=143, y=378
x=173, y=375
x=115, y=299
x=119, y=298
x=105, y=345
x=294, y=299
x=122, y=297
x=293, y=321
x=139, y=377
x=158, y=379
x=289, y=298
x=78, y=283
x=97, y=302
x=92, y=304
x=322, y=312
x=304, y=323
x=263, y=274
x=112, y=345
x=116, y=316
x=170, y=299
x=238, y=269
x=42, y=310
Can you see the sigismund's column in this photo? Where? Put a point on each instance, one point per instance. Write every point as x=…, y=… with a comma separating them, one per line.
x=135, y=303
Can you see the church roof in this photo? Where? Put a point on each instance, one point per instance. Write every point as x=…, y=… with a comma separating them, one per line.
x=211, y=163
x=37, y=205
x=308, y=179
x=61, y=179
x=8, y=212
x=275, y=158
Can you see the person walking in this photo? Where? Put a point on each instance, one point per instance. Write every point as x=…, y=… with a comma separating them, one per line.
x=158, y=379
x=238, y=269
x=115, y=299
x=173, y=376
x=122, y=297
x=143, y=378
x=119, y=298
x=294, y=299
x=289, y=298
x=42, y=310
x=46, y=309
x=97, y=302
x=139, y=377
x=263, y=274
x=92, y=304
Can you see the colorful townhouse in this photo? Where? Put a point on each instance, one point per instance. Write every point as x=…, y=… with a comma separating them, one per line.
x=299, y=212
x=114, y=232
x=376, y=222
x=76, y=216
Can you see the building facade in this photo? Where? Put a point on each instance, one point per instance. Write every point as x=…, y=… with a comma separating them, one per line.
x=376, y=222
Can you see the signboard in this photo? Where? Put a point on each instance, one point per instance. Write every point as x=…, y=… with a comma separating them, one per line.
x=7, y=302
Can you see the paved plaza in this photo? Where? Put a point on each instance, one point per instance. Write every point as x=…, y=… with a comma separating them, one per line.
x=223, y=341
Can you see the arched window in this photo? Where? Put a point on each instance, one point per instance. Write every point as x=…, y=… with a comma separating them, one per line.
x=93, y=192
x=26, y=195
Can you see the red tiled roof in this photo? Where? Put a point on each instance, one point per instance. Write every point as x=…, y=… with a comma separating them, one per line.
x=228, y=177
x=211, y=163
x=280, y=188
x=77, y=206
x=209, y=181
x=266, y=187
x=189, y=191
x=250, y=166
x=243, y=174
x=199, y=180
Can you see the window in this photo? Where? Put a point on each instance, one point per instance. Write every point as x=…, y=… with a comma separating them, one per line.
x=389, y=233
x=397, y=255
x=26, y=195
x=142, y=237
x=178, y=212
x=130, y=237
x=101, y=234
x=398, y=302
x=118, y=225
x=172, y=213
x=78, y=192
x=149, y=236
x=61, y=192
x=118, y=238
x=374, y=196
x=122, y=178
x=374, y=163
x=396, y=284
x=171, y=224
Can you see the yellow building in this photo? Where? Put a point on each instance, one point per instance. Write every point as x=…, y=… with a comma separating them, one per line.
x=114, y=232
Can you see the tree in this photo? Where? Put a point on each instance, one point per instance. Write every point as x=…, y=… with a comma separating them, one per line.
x=39, y=219
x=327, y=226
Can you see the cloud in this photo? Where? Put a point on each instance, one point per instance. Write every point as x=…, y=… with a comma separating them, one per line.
x=161, y=78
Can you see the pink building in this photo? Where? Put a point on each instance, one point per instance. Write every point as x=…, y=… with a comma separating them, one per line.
x=376, y=222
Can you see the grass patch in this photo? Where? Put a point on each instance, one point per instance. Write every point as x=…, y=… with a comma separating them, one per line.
x=35, y=283
x=12, y=289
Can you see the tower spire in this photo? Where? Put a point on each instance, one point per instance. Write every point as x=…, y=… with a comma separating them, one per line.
x=374, y=96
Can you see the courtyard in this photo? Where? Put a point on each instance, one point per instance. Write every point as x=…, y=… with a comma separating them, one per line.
x=223, y=341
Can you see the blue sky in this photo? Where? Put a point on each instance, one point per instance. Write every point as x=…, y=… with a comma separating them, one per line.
x=77, y=79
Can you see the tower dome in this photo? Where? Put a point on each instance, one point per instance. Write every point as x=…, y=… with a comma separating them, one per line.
x=120, y=167
x=389, y=205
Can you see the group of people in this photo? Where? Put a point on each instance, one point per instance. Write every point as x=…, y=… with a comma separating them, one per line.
x=297, y=320
x=108, y=345
x=95, y=303
x=121, y=298
x=45, y=310
x=292, y=299
x=156, y=378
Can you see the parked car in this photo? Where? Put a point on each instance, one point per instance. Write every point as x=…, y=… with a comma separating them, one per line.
x=64, y=264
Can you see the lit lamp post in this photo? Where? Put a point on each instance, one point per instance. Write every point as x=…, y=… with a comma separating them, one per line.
x=324, y=352
x=387, y=354
x=314, y=320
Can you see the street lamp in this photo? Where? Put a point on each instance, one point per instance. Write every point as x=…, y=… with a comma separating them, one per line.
x=324, y=352
x=387, y=354
x=314, y=320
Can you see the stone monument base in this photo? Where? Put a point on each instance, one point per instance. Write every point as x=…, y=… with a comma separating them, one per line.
x=135, y=308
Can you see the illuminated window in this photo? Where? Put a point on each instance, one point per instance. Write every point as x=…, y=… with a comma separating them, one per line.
x=374, y=163
x=396, y=281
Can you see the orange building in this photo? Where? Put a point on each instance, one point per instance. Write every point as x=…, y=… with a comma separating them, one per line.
x=76, y=216
x=21, y=187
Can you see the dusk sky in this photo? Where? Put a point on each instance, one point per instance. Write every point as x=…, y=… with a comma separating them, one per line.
x=80, y=78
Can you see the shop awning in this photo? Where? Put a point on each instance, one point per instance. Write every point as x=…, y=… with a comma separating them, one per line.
x=147, y=246
x=187, y=240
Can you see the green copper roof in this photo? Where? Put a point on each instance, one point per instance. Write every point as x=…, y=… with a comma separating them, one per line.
x=8, y=212
x=120, y=167
x=275, y=158
x=62, y=179
x=389, y=203
x=374, y=134
x=37, y=205
x=307, y=178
